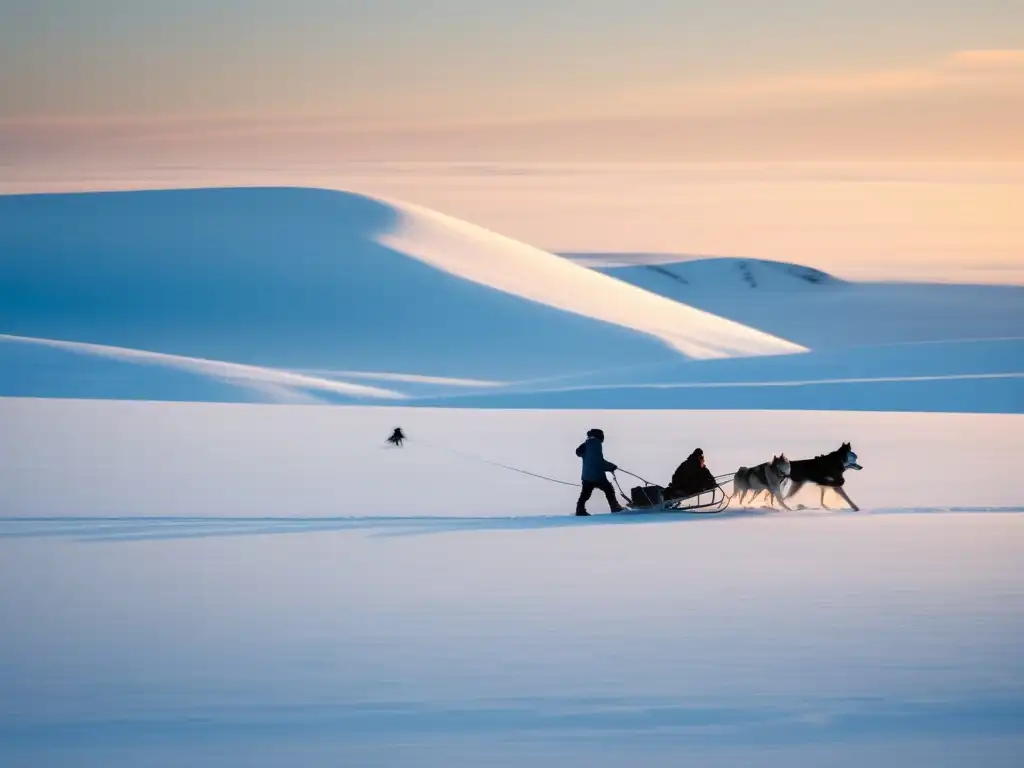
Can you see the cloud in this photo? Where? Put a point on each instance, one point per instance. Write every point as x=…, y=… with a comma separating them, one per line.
x=959, y=69
x=989, y=59
x=965, y=104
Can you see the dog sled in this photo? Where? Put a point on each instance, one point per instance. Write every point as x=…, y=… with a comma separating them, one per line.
x=650, y=499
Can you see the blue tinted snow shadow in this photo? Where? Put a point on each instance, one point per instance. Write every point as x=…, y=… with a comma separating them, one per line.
x=976, y=376
x=944, y=395
x=581, y=721
x=936, y=359
x=279, y=277
x=777, y=298
x=127, y=529
x=31, y=370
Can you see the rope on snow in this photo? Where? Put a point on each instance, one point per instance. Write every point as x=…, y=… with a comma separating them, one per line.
x=397, y=437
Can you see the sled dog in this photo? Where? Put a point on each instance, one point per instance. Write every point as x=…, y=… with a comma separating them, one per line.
x=764, y=477
x=825, y=471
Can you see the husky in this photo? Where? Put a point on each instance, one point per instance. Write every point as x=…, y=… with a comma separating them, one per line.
x=825, y=471
x=764, y=477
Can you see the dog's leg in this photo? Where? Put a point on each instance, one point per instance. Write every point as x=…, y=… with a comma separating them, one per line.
x=794, y=487
x=777, y=491
x=849, y=501
x=823, y=504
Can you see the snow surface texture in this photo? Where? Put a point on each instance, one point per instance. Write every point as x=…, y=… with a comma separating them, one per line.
x=250, y=585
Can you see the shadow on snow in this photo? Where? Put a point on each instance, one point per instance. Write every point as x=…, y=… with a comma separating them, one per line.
x=109, y=529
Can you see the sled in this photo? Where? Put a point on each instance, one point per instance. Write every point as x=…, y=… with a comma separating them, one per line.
x=648, y=499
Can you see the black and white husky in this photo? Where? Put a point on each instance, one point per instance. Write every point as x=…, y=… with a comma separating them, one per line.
x=825, y=471
x=764, y=477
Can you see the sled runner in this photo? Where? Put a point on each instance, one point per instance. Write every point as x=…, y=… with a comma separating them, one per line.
x=650, y=499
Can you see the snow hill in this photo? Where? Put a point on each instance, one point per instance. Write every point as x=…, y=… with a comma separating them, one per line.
x=660, y=272
x=286, y=294
x=306, y=295
x=818, y=309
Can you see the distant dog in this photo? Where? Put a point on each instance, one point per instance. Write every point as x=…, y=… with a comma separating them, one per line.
x=764, y=477
x=825, y=471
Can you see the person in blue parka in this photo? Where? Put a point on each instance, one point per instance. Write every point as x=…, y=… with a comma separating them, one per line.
x=593, y=476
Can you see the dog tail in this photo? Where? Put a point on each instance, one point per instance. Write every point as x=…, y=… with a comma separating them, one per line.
x=741, y=472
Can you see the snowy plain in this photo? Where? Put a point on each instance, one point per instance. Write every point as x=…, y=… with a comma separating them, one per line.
x=211, y=557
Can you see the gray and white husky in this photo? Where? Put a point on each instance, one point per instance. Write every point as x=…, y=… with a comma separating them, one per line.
x=764, y=477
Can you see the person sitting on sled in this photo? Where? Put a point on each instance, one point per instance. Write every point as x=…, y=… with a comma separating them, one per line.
x=593, y=476
x=690, y=478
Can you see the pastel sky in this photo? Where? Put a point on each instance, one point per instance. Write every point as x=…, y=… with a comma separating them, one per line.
x=482, y=79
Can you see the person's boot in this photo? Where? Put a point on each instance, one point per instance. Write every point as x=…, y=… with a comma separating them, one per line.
x=581, y=512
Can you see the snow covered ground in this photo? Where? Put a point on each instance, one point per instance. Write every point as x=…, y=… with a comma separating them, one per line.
x=263, y=585
x=893, y=640
x=193, y=576
x=131, y=459
x=889, y=639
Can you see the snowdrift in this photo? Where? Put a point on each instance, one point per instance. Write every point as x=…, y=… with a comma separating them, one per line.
x=277, y=281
